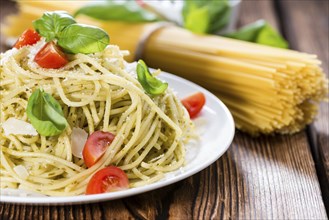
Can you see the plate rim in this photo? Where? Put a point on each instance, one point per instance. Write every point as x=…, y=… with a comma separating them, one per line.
x=84, y=199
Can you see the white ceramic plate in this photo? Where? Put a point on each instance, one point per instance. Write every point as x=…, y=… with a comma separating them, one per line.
x=215, y=126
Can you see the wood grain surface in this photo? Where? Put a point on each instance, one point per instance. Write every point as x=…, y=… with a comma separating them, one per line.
x=312, y=40
x=269, y=177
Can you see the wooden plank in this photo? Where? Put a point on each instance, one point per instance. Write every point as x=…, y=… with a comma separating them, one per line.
x=9, y=7
x=267, y=177
x=253, y=10
x=264, y=178
x=307, y=27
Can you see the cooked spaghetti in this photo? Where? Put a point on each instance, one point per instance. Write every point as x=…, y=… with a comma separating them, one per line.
x=96, y=92
x=268, y=90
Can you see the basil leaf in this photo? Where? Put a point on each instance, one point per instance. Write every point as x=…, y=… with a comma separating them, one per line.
x=269, y=36
x=260, y=32
x=51, y=24
x=150, y=84
x=193, y=22
x=72, y=37
x=79, y=38
x=45, y=114
x=128, y=11
x=206, y=16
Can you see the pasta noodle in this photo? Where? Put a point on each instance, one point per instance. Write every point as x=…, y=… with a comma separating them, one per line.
x=97, y=92
x=268, y=90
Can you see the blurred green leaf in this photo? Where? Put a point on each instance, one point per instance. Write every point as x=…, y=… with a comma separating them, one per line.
x=128, y=11
x=206, y=16
x=259, y=32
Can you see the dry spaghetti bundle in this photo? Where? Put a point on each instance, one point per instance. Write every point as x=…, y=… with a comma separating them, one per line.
x=267, y=89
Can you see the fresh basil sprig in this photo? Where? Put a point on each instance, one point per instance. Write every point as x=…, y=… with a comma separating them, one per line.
x=260, y=32
x=51, y=24
x=150, y=83
x=128, y=11
x=79, y=38
x=71, y=36
x=206, y=16
x=45, y=114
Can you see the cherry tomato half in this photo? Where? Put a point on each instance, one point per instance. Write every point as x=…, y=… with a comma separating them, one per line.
x=108, y=179
x=95, y=146
x=29, y=37
x=194, y=103
x=50, y=57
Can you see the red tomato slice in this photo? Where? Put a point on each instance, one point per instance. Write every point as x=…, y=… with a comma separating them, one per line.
x=108, y=179
x=95, y=146
x=29, y=37
x=50, y=57
x=194, y=103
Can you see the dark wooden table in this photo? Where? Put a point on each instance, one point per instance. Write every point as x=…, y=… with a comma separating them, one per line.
x=269, y=177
